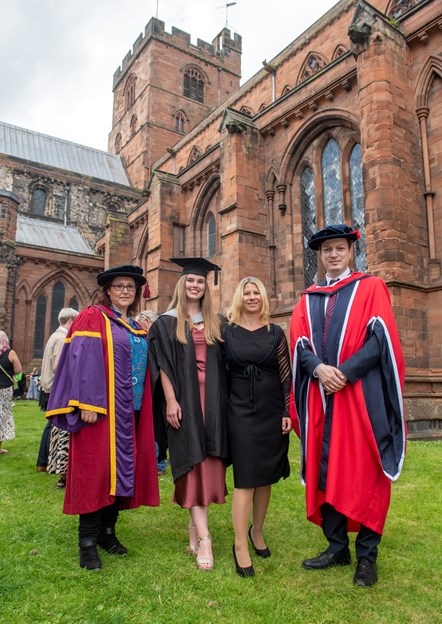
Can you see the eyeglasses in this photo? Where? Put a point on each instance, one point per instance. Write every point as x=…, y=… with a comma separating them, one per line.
x=121, y=287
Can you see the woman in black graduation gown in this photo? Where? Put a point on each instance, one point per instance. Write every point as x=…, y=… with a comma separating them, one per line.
x=189, y=392
x=259, y=375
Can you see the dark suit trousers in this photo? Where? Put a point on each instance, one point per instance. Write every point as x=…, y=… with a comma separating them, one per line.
x=334, y=526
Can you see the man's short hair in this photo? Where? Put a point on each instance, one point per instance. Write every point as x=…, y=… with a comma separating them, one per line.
x=65, y=314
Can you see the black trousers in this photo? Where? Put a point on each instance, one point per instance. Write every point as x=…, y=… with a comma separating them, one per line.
x=334, y=526
x=90, y=524
x=43, y=452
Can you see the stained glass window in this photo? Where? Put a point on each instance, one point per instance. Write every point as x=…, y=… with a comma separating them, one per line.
x=357, y=206
x=57, y=304
x=39, y=332
x=400, y=7
x=308, y=207
x=211, y=235
x=332, y=183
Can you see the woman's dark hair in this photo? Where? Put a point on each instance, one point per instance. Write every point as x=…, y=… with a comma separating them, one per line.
x=104, y=299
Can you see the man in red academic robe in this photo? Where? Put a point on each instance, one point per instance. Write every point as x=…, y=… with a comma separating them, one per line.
x=348, y=383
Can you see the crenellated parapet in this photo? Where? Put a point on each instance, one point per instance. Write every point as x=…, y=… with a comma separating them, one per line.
x=218, y=52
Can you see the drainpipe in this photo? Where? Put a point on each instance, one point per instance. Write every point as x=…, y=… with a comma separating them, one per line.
x=271, y=69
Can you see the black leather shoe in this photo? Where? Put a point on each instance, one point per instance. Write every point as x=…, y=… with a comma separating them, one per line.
x=89, y=558
x=327, y=559
x=365, y=574
x=109, y=541
x=261, y=552
x=249, y=571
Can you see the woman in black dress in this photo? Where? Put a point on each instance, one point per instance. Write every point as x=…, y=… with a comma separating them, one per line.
x=259, y=370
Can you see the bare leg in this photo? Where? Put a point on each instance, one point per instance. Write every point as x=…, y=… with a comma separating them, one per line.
x=261, y=501
x=192, y=549
x=241, y=507
x=200, y=519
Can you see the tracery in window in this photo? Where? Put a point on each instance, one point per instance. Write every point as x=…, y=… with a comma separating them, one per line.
x=313, y=63
x=357, y=206
x=194, y=84
x=399, y=7
x=339, y=51
x=194, y=154
x=308, y=211
x=332, y=183
x=324, y=185
x=180, y=119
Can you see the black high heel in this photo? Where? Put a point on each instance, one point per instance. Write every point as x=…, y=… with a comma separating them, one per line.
x=261, y=552
x=249, y=571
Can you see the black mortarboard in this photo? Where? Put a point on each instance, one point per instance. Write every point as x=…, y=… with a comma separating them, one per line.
x=340, y=230
x=197, y=266
x=127, y=270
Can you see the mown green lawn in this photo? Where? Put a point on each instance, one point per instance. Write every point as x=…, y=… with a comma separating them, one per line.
x=158, y=583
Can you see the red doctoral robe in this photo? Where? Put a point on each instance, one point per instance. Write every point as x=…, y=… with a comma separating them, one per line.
x=353, y=443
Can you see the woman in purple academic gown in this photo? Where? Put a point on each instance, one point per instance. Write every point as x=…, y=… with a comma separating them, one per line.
x=189, y=386
x=101, y=395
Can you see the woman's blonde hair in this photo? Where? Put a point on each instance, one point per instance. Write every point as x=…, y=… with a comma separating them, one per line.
x=212, y=325
x=4, y=342
x=235, y=311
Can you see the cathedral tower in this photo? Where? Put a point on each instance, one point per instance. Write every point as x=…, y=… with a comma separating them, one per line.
x=164, y=88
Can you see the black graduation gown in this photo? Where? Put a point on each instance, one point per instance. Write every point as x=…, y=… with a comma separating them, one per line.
x=197, y=438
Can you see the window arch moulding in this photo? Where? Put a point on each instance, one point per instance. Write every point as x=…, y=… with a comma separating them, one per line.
x=313, y=63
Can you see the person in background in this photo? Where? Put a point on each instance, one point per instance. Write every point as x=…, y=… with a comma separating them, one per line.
x=101, y=394
x=348, y=371
x=258, y=420
x=9, y=366
x=33, y=392
x=145, y=318
x=49, y=364
x=189, y=386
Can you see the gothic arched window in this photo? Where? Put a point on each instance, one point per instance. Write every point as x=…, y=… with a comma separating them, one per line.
x=133, y=125
x=330, y=191
x=74, y=304
x=194, y=154
x=332, y=183
x=39, y=329
x=399, y=7
x=194, y=84
x=179, y=121
x=308, y=208
x=357, y=206
x=38, y=200
x=129, y=91
x=57, y=303
x=118, y=143
x=211, y=235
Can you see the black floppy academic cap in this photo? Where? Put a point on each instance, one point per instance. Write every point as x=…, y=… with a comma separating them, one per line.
x=197, y=266
x=127, y=270
x=339, y=230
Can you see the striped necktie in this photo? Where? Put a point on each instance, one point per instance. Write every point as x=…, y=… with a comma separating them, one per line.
x=328, y=315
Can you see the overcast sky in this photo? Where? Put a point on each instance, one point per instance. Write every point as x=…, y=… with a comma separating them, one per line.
x=58, y=57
